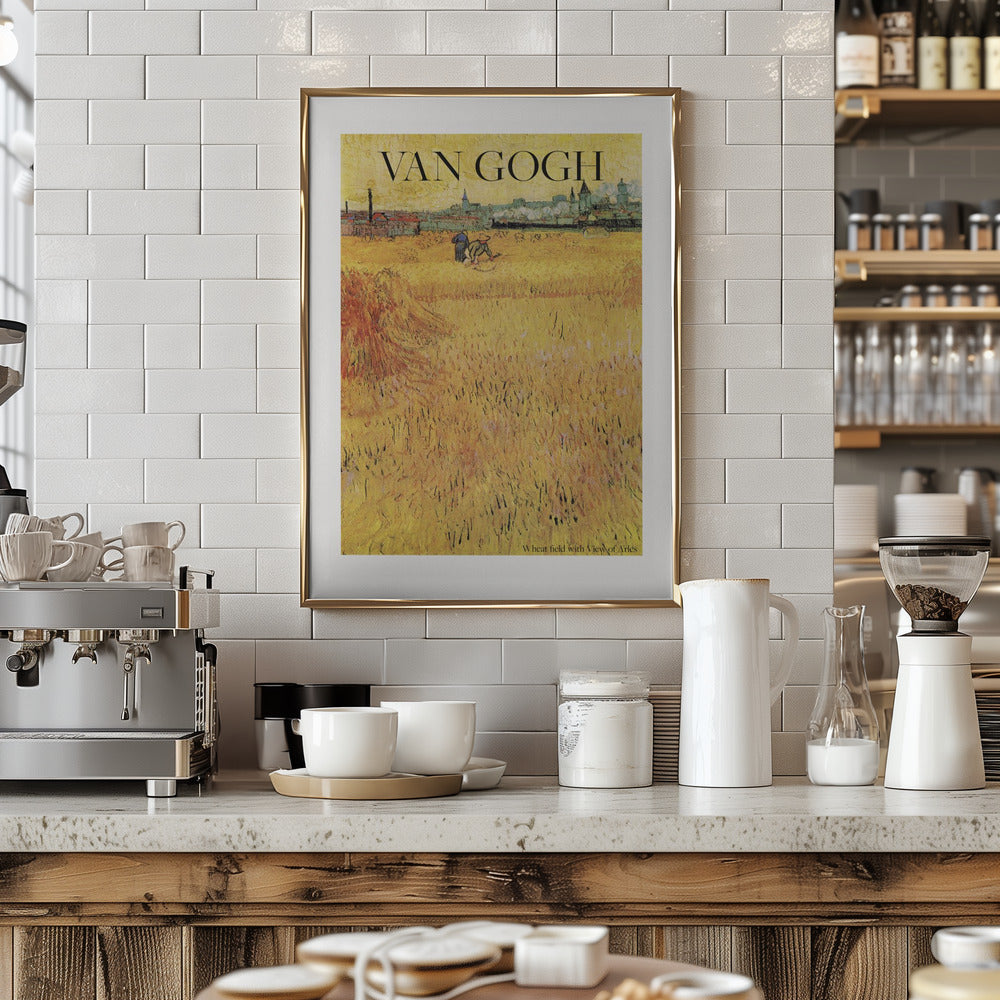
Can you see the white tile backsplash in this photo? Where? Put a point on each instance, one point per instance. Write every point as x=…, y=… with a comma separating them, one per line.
x=255, y=32
x=144, y=121
x=148, y=32
x=167, y=217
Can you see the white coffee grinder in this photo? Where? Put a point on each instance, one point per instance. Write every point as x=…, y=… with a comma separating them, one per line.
x=934, y=738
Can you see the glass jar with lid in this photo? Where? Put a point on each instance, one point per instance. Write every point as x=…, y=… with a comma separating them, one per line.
x=605, y=729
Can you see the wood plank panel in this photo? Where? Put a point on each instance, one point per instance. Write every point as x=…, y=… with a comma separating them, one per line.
x=214, y=951
x=776, y=958
x=864, y=963
x=643, y=940
x=54, y=963
x=7, y=963
x=919, y=947
x=534, y=883
x=708, y=946
x=141, y=961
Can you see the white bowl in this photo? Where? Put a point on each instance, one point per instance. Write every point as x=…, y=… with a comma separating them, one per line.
x=707, y=985
x=967, y=947
x=282, y=982
x=504, y=934
x=432, y=963
x=482, y=772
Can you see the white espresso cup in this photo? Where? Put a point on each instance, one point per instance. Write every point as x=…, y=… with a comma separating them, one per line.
x=81, y=565
x=434, y=737
x=20, y=523
x=147, y=562
x=150, y=533
x=347, y=742
x=28, y=555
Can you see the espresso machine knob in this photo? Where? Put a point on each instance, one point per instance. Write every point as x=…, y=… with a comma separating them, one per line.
x=23, y=659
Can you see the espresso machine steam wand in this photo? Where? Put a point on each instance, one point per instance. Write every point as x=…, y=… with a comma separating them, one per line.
x=136, y=642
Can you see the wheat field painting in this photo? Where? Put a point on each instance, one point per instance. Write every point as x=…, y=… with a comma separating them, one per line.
x=491, y=345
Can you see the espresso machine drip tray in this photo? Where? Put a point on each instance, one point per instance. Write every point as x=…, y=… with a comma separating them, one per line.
x=160, y=758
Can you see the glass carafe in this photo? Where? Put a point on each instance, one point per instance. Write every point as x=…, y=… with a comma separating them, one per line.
x=842, y=738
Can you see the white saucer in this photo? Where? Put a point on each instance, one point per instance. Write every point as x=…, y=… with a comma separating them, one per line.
x=482, y=772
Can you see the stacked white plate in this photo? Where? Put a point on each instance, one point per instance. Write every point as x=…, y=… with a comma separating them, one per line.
x=930, y=514
x=666, y=732
x=855, y=520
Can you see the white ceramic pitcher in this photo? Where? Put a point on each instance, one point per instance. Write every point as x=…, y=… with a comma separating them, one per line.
x=726, y=687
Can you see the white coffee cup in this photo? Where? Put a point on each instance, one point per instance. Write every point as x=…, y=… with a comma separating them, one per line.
x=81, y=565
x=347, y=742
x=147, y=562
x=112, y=560
x=18, y=524
x=57, y=525
x=434, y=737
x=27, y=555
x=150, y=533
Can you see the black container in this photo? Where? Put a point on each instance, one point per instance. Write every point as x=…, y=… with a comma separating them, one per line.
x=275, y=705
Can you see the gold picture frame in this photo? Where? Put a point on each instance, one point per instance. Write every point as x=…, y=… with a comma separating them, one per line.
x=490, y=347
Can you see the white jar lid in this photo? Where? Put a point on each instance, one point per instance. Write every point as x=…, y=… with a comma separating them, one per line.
x=603, y=684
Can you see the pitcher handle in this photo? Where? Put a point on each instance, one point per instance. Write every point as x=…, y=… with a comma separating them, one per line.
x=791, y=641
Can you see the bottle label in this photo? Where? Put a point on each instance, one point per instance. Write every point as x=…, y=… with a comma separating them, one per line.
x=991, y=62
x=857, y=61
x=932, y=62
x=898, y=63
x=966, y=63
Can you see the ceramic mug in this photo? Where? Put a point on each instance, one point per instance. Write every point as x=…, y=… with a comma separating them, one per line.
x=150, y=533
x=19, y=523
x=80, y=567
x=356, y=742
x=147, y=562
x=27, y=555
x=434, y=737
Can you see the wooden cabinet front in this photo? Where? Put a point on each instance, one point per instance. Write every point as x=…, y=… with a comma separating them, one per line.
x=161, y=927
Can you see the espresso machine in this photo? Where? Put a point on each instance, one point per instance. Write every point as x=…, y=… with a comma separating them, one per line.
x=109, y=681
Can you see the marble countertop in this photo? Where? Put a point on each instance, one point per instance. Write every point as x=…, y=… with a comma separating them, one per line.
x=244, y=814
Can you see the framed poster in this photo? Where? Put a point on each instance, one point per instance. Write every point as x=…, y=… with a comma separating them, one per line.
x=490, y=348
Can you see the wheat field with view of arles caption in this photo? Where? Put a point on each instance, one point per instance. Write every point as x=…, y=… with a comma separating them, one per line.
x=491, y=348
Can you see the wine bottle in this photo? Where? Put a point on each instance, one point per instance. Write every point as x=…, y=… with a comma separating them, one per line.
x=932, y=49
x=991, y=46
x=898, y=28
x=857, y=46
x=964, y=44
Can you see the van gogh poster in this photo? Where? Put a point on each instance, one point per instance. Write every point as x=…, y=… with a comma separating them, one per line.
x=491, y=348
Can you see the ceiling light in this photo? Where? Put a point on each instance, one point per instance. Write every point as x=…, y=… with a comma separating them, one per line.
x=8, y=40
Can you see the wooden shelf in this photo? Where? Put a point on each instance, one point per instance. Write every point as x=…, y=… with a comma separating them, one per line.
x=860, y=265
x=855, y=108
x=871, y=437
x=897, y=314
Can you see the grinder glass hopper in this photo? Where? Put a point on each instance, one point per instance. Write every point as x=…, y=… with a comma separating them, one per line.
x=934, y=738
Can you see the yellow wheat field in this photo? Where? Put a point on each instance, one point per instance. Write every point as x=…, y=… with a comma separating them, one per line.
x=496, y=409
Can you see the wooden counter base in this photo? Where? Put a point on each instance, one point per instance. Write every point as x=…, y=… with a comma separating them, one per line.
x=162, y=926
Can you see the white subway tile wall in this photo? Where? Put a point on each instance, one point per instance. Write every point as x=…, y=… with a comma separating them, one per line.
x=167, y=310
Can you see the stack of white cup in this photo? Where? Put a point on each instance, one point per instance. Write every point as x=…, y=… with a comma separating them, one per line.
x=147, y=550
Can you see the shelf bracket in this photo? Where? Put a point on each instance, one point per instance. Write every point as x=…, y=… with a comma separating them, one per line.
x=851, y=104
x=851, y=269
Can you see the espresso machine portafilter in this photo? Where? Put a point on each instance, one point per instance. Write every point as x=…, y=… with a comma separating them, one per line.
x=111, y=681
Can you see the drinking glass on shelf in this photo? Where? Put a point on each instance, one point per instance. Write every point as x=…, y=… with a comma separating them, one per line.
x=989, y=374
x=933, y=376
x=916, y=384
x=843, y=374
x=899, y=398
x=951, y=388
x=878, y=371
x=973, y=381
x=863, y=402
